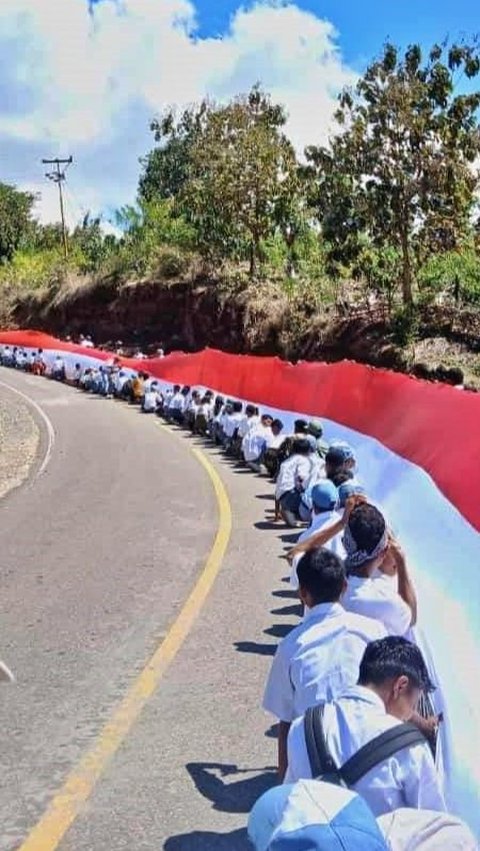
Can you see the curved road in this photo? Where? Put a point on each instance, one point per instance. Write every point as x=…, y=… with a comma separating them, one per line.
x=99, y=553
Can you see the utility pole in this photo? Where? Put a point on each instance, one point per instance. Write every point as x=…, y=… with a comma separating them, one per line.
x=58, y=176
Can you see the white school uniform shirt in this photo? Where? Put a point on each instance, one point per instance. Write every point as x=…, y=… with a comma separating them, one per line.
x=177, y=402
x=317, y=660
x=319, y=522
x=377, y=597
x=246, y=424
x=231, y=423
x=254, y=442
x=150, y=400
x=295, y=470
x=406, y=779
x=274, y=441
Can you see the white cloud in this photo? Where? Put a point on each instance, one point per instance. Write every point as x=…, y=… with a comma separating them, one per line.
x=87, y=84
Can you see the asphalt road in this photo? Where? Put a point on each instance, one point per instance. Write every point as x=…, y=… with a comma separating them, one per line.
x=99, y=552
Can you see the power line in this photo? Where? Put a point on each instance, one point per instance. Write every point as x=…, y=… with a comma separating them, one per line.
x=58, y=177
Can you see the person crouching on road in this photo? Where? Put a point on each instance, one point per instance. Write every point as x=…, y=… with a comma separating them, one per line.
x=58, y=368
x=293, y=478
x=393, y=676
x=321, y=656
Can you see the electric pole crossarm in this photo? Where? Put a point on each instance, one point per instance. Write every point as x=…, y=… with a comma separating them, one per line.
x=58, y=176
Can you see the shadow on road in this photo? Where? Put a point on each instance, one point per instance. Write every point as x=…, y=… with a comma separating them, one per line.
x=296, y=610
x=279, y=630
x=200, y=840
x=287, y=595
x=236, y=796
x=255, y=647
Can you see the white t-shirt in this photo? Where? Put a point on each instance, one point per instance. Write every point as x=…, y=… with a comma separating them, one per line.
x=319, y=522
x=150, y=400
x=246, y=424
x=254, y=442
x=407, y=779
x=231, y=423
x=317, y=660
x=294, y=471
x=376, y=597
x=177, y=402
x=274, y=441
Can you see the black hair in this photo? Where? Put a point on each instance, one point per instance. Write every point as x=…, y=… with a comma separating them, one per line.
x=300, y=427
x=77, y=366
x=278, y=424
x=302, y=447
x=322, y=573
x=367, y=525
x=340, y=477
x=176, y=388
x=237, y=407
x=266, y=416
x=250, y=410
x=393, y=657
x=186, y=390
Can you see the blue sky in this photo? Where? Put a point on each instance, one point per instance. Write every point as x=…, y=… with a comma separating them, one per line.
x=87, y=83
x=364, y=26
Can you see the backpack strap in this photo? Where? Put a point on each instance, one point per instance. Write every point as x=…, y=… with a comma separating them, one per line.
x=321, y=762
x=379, y=749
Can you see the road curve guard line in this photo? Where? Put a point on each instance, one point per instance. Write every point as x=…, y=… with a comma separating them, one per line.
x=70, y=798
x=46, y=421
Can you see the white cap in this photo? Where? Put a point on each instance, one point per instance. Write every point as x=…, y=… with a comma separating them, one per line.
x=425, y=830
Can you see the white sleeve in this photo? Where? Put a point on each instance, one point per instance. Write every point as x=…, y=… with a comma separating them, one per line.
x=421, y=783
x=396, y=615
x=297, y=755
x=279, y=693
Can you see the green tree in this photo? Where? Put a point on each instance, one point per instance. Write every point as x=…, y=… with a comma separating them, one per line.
x=403, y=164
x=165, y=168
x=16, y=221
x=241, y=184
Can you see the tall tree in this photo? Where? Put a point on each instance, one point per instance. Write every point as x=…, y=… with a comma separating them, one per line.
x=403, y=165
x=165, y=168
x=16, y=222
x=241, y=184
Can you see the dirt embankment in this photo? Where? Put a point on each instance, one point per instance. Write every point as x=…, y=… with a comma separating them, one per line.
x=259, y=319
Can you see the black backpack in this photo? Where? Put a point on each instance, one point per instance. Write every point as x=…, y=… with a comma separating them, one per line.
x=379, y=749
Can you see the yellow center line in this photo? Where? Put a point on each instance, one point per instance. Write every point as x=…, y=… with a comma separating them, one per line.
x=69, y=800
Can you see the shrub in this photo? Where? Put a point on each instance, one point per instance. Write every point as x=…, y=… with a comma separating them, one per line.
x=454, y=275
x=171, y=262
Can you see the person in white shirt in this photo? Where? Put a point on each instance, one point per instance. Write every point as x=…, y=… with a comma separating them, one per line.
x=324, y=496
x=255, y=441
x=231, y=425
x=176, y=405
x=58, y=368
x=379, y=583
x=393, y=676
x=151, y=398
x=321, y=656
x=204, y=414
x=294, y=476
x=249, y=420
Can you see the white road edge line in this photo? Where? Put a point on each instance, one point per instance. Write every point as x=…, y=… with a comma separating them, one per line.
x=48, y=424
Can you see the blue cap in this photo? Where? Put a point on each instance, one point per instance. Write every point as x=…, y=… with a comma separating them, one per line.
x=347, y=490
x=324, y=495
x=339, y=452
x=314, y=815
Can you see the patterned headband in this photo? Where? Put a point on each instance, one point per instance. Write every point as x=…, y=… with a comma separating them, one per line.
x=355, y=557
